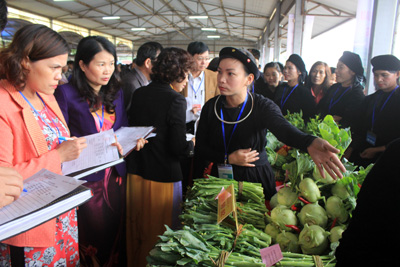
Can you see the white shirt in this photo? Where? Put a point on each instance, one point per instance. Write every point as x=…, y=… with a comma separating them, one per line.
x=196, y=96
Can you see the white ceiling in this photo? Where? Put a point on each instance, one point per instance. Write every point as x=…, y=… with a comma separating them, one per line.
x=238, y=22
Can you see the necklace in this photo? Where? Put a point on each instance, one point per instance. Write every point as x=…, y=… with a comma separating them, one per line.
x=233, y=122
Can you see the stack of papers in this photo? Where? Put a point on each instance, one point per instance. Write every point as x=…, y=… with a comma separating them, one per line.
x=99, y=151
x=128, y=136
x=48, y=196
x=100, y=154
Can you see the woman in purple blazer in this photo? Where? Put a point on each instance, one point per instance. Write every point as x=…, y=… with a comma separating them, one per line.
x=92, y=102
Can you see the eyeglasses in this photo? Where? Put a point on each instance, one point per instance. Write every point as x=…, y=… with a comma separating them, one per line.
x=202, y=58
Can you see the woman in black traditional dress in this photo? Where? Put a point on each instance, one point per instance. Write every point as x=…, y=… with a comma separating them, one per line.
x=343, y=99
x=233, y=126
x=292, y=96
x=273, y=75
x=379, y=114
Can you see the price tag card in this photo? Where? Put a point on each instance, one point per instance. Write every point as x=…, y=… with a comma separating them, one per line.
x=271, y=255
x=226, y=203
x=223, y=195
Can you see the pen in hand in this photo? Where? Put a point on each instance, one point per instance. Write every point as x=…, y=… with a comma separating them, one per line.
x=62, y=138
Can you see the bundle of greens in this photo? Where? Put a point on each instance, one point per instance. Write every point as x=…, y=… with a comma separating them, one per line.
x=216, y=235
x=250, y=240
x=209, y=188
x=296, y=119
x=178, y=248
x=188, y=247
x=298, y=260
x=337, y=137
x=200, y=206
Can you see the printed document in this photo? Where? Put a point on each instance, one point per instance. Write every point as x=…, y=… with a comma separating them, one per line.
x=42, y=188
x=98, y=152
x=128, y=136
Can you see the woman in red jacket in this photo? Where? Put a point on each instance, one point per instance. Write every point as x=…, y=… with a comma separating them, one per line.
x=32, y=130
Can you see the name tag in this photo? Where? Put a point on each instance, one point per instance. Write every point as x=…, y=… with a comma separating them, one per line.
x=225, y=171
x=371, y=138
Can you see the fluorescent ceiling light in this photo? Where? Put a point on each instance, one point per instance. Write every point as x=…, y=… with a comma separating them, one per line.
x=273, y=14
x=63, y=0
x=198, y=17
x=138, y=29
x=209, y=29
x=213, y=36
x=111, y=17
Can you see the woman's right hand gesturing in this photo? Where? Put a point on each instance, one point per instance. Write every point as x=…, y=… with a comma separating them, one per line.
x=71, y=149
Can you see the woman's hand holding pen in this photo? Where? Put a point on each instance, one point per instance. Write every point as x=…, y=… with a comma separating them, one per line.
x=11, y=185
x=118, y=145
x=71, y=148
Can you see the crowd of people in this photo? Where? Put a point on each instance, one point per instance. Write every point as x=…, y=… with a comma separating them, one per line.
x=209, y=115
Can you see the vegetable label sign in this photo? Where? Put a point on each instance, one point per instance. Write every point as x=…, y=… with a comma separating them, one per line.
x=271, y=255
x=226, y=204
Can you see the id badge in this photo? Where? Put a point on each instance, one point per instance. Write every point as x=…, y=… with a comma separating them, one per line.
x=225, y=171
x=371, y=138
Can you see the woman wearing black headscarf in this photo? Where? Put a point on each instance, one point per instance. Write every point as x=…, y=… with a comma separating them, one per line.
x=292, y=96
x=343, y=99
x=233, y=126
x=378, y=124
x=273, y=75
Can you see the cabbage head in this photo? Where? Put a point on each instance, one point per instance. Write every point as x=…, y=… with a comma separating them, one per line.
x=274, y=201
x=313, y=240
x=309, y=190
x=318, y=177
x=272, y=230
x=286, y=196
x=313, y=214
x=340, y=190
x=335, y=209
x=288, y=242
x=336, y=233
x=282, y=215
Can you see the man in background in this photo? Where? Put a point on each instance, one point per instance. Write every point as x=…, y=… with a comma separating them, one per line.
x=140, y=75
x=260, y=83
x=202, y=84
x=70, y=68
x=256, y=54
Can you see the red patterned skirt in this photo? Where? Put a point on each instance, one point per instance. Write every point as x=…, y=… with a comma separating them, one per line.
x=64, y=252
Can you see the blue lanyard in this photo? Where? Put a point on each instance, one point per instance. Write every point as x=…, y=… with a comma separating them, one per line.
x=226, y=145
x=384, y=104
x=101, y=121
x=332, y=103
x=195, y=91
x=253, y=87
x=284, y=91
x=59, y=135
